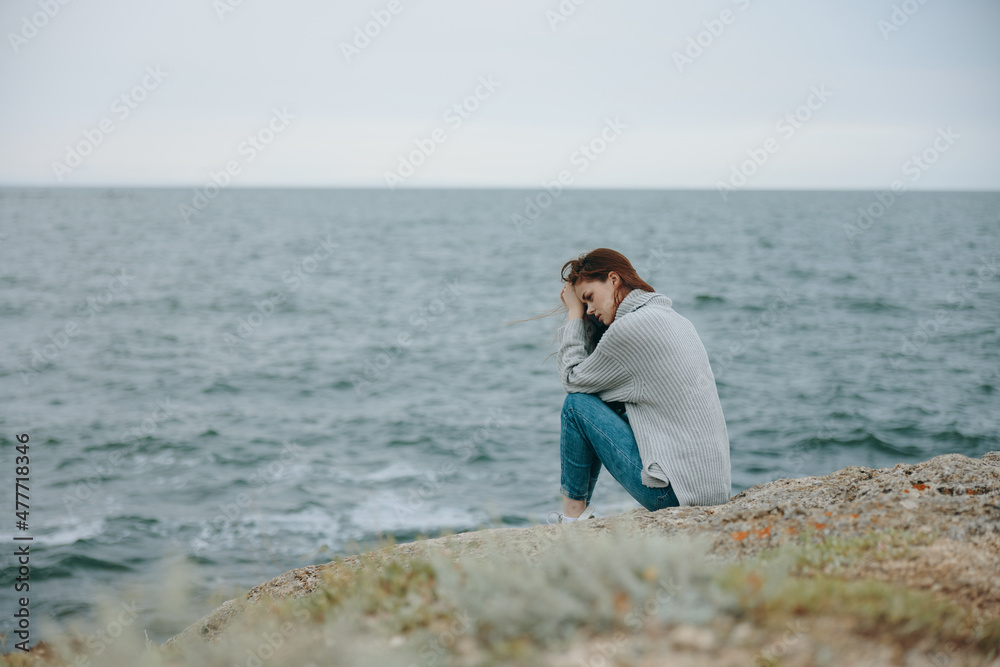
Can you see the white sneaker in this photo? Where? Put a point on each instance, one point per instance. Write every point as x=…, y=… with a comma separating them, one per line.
x=588, y=513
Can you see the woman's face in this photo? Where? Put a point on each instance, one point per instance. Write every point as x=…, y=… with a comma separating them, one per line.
x=599, y=297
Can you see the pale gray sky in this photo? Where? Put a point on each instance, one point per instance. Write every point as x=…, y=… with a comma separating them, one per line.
x=893, y=76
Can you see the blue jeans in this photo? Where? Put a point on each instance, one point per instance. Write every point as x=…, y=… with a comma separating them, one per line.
x=593, y=433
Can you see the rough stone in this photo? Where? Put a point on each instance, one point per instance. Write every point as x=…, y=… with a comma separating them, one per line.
x=952, y=500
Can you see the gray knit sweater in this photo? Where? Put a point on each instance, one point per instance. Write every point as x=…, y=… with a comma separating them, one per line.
x=652, y=359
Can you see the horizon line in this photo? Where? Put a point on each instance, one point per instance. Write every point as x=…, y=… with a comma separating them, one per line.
x=140, y=186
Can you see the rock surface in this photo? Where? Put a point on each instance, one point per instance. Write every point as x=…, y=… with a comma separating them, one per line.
x=951, y=501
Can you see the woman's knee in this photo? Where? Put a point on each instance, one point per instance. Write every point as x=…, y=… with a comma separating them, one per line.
x=577, y=401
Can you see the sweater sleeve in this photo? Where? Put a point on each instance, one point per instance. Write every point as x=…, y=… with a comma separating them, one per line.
x=598, y=373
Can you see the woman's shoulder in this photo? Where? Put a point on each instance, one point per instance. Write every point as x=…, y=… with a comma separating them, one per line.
x=650, y=320
x=641, y=305
x=637, y=324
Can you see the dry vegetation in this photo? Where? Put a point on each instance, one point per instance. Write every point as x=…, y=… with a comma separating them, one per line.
x=588, y=598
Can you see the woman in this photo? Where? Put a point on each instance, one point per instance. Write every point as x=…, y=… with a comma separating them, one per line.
x=641, y=399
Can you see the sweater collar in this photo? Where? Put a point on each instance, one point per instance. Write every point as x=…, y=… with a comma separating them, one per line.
x=638, y=298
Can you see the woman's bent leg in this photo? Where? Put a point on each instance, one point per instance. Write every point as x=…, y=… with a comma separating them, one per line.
x=593, y=434
x=581, y=466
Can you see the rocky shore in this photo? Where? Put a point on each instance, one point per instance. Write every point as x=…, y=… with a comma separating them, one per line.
x=895, y=566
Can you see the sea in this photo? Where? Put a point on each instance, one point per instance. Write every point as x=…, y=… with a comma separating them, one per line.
x=217, y=387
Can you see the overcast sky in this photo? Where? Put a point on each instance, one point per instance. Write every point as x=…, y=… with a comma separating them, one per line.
x=874, y=83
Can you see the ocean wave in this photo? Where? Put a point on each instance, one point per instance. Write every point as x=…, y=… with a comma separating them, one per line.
x=867, y=441
x=71, y=532
x=75, y=564
x=872, y=306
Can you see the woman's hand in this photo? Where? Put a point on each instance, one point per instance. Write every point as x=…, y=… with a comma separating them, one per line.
x=572, y=302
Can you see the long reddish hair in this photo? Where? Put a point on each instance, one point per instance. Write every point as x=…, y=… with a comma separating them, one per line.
x=596, y=265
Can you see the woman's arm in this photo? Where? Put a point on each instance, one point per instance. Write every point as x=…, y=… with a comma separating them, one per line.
x=572, y=302
x=597, y=373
